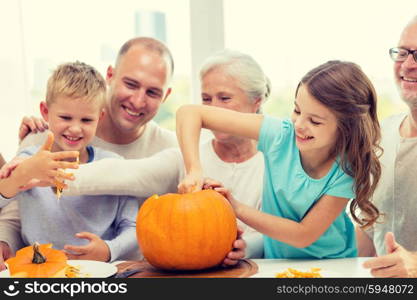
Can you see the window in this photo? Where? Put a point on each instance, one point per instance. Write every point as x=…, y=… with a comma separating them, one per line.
x=287, y=38
x=49, y=32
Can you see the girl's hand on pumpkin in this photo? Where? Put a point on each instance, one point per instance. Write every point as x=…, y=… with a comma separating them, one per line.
x=228, y=195
x=212, y=184
x=8, y=168
x=96, y=249
x=5, y=253
x=238, y=251
x=192, y=182
x=45, y=168
x=218, y=187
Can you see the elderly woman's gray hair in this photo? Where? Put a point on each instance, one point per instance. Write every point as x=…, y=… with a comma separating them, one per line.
x=243, y=68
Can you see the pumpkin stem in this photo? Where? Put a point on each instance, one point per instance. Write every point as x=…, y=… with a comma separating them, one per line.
x=38, y=258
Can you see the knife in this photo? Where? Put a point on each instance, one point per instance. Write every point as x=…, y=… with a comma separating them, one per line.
x=127, y=273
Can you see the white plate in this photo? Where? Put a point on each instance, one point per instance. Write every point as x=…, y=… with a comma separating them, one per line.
x=324, y=273
x=88, y=268
x=93, y=268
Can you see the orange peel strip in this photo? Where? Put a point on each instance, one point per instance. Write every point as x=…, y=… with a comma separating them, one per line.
x=293, y=273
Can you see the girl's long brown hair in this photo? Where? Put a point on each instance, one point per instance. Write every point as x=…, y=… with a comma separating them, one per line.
x=350, y=95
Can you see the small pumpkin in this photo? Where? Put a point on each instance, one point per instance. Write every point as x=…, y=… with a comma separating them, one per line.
x=38, y=261
x=191, y=231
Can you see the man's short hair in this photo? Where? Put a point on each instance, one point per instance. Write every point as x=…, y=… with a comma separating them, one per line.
x=150, y=44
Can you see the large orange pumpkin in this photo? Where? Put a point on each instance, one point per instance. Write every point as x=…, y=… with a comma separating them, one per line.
x=38, y=261
x=186, y=231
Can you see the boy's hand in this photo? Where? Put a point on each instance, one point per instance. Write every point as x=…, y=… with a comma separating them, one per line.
x=31, y=124
x=211, y=184
x=96, y=249
x=192, y=182
x=238, y=251
x=46, y=166
x=5, y=253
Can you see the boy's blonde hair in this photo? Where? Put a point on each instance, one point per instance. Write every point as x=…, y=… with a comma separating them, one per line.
x=76, y=80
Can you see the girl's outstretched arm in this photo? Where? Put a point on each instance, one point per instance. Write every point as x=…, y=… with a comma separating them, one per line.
x=298, y=234
x=157, y=174
x=190, y=120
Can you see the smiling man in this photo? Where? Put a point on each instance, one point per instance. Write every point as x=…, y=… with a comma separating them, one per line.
x=137, y=85
x=394, y=240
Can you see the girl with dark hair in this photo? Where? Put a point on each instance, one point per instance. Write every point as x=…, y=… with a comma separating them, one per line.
x=315, y=163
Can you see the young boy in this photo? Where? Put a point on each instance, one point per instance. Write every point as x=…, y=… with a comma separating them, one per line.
x=74, y=104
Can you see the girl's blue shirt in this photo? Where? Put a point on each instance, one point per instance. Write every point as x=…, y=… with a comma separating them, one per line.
x=289, y=192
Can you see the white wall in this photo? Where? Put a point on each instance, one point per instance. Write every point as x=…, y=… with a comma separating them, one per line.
x=214, y=24
x=13, y=80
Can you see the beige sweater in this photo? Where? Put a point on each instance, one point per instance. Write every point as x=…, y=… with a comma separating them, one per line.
x=10, y=225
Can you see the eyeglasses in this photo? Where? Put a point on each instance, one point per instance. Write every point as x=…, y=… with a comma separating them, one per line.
x=401, y=54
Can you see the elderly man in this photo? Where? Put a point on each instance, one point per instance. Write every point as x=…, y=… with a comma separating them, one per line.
x=394, y=239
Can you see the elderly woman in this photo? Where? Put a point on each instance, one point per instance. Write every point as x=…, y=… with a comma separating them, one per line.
x=229, y=79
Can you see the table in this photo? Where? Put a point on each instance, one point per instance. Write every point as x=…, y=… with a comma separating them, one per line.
x=340, y=267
